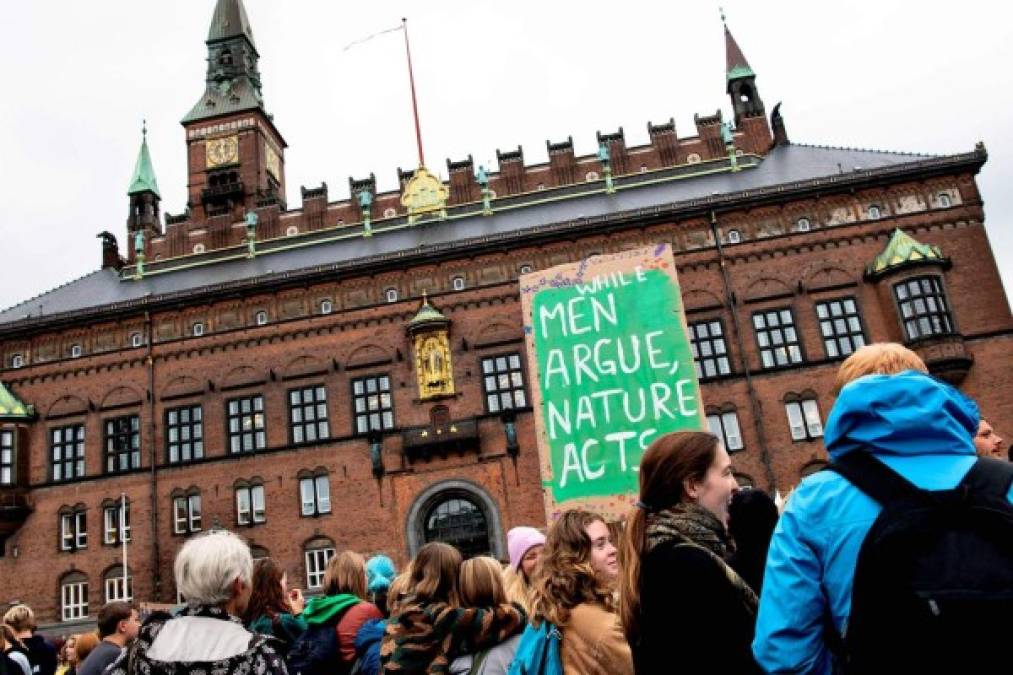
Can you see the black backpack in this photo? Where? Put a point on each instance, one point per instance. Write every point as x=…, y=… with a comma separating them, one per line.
x=316, y=651
x=933, y=584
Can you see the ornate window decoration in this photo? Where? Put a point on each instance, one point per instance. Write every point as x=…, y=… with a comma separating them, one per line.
x=434, y=371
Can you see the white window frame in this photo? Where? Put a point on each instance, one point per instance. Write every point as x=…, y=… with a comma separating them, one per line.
x=803, y=224
x=734, y=237
x=874, y=212
x=390, y=294
x=316, y=566
x=136, y=340
x=114, y=587
x=73, y=600
x=8, y=457
x=197, y=329
x=74, y=530
x=725, y=426
x=326, y=307
x=315, y=495
x=804, y=421
x=945, y=200
x=76, y=351
x=260, y=318
x=525, y=269
x=111, y=532
x=190, y=520
x=17, y=361
x=250, y=504
x=457, y=283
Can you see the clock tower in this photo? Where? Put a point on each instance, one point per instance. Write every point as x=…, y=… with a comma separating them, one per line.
x=235, y=154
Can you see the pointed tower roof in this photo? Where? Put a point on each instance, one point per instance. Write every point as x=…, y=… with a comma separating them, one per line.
x=736, y=65
x=903, y=249
x=12, y=408
x=229, y=20
x=144, y=179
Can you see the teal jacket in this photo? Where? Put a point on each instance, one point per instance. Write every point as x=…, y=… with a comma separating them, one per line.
x=918, y=426
x=286, y=627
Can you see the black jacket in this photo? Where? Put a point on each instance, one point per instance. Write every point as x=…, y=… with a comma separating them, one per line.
x=692, y=619
x=41, y=655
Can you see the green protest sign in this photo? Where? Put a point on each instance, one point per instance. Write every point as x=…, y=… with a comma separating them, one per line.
x=613, y=369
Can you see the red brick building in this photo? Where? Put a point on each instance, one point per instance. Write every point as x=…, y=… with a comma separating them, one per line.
x=264, y=373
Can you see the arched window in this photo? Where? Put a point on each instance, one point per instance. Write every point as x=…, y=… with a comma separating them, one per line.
x=458, y=520
x=874, y=212
x=525, y=269
x=136, y=340
x=315, y=492
x=115, y=521
x=197, y=329
x=744, y=481
x=734, y=237
x=291, y=231
x=73, y=596
x=73, y=528
x=803, y=416
x=117, y=587
x=944, y=200
x=251, y=507
x=803, y=224
x=457, y=283
x=186, y=511
x=591, y=176
x=724, y=424
x=261, y=318
x=17, y=361
x=75, y=351
x=693, y=158
x=199, y=248
x=259, y=552
x=391, y=294
x=318, y=553
x=389, y=212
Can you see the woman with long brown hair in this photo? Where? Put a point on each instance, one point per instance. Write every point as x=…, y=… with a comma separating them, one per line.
x=682, y=607
x=574, y=590
x=429, y=627
x=481, y=585
x=274, y=608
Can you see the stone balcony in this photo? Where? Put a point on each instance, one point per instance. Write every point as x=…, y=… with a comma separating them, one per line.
x=945, y=355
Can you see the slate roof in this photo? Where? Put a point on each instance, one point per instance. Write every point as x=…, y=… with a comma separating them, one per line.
x=785, y=168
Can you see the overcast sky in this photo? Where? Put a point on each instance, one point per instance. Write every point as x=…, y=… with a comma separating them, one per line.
x=78, y=77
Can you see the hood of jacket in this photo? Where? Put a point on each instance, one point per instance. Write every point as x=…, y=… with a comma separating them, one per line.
x=321, y=609
x=907, y=414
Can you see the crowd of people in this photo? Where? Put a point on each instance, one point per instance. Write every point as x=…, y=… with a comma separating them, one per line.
x=704, y=577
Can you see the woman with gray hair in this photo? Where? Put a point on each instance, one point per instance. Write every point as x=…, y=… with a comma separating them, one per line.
x=214, y=573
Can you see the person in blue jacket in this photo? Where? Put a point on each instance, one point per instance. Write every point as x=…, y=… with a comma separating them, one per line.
x=921, y=428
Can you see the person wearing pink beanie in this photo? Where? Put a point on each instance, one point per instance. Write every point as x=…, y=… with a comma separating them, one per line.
x=524, y=545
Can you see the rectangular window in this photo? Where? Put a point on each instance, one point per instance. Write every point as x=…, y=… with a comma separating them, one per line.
x=804, y=420
x=186, y=514
x=250, y=505
x=7, y=457
x=123, y=444
x=66, y=446
x=777, y=338
x=111, y=532
x=74, y=600
x=840, y=326
x=119, y=589
x=246, y=424
x=307, y=410
x=73, y=531
x=184, y=433
x=316, y=564
x=726, y=427
x=710, y=353
x=503, y=379
x=372, y=404
x=315, y=494
x=923, y=307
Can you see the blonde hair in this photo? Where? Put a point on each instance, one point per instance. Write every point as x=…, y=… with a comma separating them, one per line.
x=880, y=358
x=518, y=590
x=346, y=573
x=434, y=574
x=86, y=642
x=396, y=591
x=482, y=582
x=20, y=618
x=566, y=577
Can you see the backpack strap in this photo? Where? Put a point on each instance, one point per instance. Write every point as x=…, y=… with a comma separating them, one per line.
x=477, y=661
x=989, y=476
x=875, y=478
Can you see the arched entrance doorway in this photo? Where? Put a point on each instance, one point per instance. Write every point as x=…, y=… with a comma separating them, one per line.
x=456, y=512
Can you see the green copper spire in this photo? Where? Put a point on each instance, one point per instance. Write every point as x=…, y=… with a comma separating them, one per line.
x=13, y=409
x=427, y=315
x=901, y=250
x=736, y=65
x=144, y=174
x=229, y=21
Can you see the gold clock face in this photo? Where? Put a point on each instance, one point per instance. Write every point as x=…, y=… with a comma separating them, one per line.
x=272, y=161
x=221, y=151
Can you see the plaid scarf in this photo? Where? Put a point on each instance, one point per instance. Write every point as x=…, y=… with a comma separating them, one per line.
x=693, y=525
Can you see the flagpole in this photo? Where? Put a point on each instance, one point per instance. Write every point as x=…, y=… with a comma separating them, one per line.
x=123, y=539
x=411, y=81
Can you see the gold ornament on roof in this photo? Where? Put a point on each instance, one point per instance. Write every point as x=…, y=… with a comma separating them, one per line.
x=424, y=193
